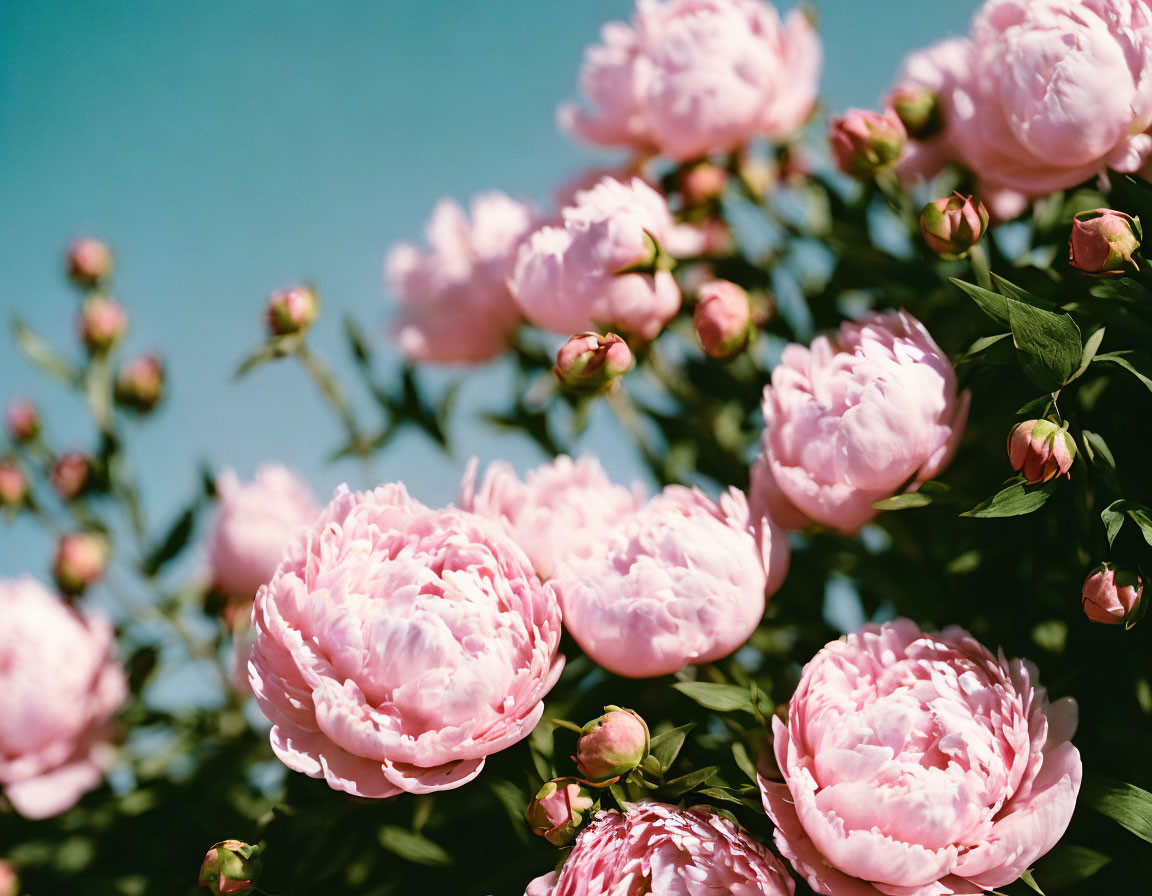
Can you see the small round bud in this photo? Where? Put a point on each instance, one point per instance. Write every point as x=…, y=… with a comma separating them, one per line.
x=1103, y=241
x=592, y=361
x=230, y=866
x=1041, y=450
x=101, y=323
x=13, y=485
x=1112, y=595
x=89, y=261
x=22, y=420
x=918, y=110
x=559, y=810
x=611, y=745
x=291, y=310
x=9, y=883
x=703, y=182
x=723, y=319
x=866, y=142
x=140, y=383
x=953, y=225
x=70, y=474
x=80, y=561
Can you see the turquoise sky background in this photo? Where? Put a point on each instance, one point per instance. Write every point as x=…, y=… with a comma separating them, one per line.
x=229, y=147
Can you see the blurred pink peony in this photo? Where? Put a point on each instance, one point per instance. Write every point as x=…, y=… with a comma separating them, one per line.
x=398, y=646
x=693, y=77
x=254, y=525
x=661, y=850
x=920, y=764
x=559, y=513
x=857, y=417
x=680, y=582
x=453, y=300
x=9, y=883
x=81, y=559
x=60, y=685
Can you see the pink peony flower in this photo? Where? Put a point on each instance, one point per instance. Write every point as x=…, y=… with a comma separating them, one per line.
x=559, y=513
x=682, y=581
x=398, y=646
x=1112, y=595
x=857, y=417
x=693, y=77
x=454, y=305
x=918, y=765
x=254, y=525
x=60, y=685
x=661, y=850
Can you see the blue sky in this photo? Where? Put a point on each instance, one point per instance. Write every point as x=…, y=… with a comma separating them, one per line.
x=229, y=147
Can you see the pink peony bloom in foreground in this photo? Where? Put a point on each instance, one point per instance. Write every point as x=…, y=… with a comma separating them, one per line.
x=60, y=685
x=658, y=849
x=693, y=77
x=398, y=646
x=254, y=524
x=859, y=416
x=920, y=764
x=453, y=301
x=682, y=581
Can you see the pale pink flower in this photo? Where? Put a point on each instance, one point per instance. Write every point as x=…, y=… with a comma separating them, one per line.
x=60, y=685
x=398, y=646
x=919, y=764
x=658, y=849
x=859, y=416
x=452, y=297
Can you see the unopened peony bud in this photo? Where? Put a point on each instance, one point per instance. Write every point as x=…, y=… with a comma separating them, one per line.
x=723, y=319
x=13, y=485
x=865, y=142
x=1040, y=450
x=592, y=361
x=918, y=110
x=70, y=474
x=1112, y=595
x=140, y=383
x=292, y=310
x=9, y=883
x=559, y=809
x=22, y=420
x=953, y=225
x=80, y=561
x=703, y=182
x=611, y=745
x=1103, y=241
x=102, y=322
x=89, y=261
x=230, y=866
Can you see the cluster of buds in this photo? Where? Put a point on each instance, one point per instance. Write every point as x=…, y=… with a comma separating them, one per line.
x=13, y=485
x=864, y=142
x=22, y=420
x=89, y=262
x=1103, y=243
x=592, y=361
x=231, y=866
x=918, y=110
x=291, y=311
x=723, y=319
x=1040, y=450
x=1113, y=596
x=953, y=225
x=70, y=474
x=140, y=383
x=80, y=561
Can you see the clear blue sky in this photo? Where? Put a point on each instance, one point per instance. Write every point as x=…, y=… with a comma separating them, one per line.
x=228, y=147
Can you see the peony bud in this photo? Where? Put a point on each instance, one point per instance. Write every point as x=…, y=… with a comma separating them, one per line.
x=703, y=182
x=89, y=261
x=559, y=809
x=140, y=383
x=13, y=485
x=953, y=225
x=1112, y=595
x=1041, y=450
x=723, y=319
x=918, y=110
x=230, y=866
x=22, y=420
x=9, y=883
x=592, y=361
x=80, y=561
x=865, y=142
x=70, y=474
x=1103, y=241
x=611, y=745
x=292, y=310
x=101, y=323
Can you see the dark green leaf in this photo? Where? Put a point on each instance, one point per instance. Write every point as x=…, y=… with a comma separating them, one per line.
x=1037, y=407
x=1015, y=500
x=174, y=541
x=1027, y=877
x=1127, y=805
x=719, y=794
x=1068, y=864
x=743, y=761
x=43, y=355
x=1012, y=291
x=1048, y=344
x=677, y=787
x=1115, y=513
x=1113, y=518
x=928, y=493
x=1138, y=364
x=665, y=747
x=991, y=303
x=412, y=846
x=1097, y=449
x=720, y=697
x=1091, y=346
x=981, y=345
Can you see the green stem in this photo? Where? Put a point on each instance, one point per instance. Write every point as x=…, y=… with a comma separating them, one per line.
x=321, y=374
x=979, y=258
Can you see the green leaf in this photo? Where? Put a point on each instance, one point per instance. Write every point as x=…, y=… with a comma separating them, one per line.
x=719, y=794
x=1113, y=518
x=43, y=355
x=1015, y=500
x=719, y=697
x=991, y=303
x=1114, y=514
x=1027, y=877
x=981, y=345
x=411, y=846
x=1139, y=364
x=1091, y=346
x=1067, y=864
x=1012, y=291
x=1037, y=407
x=903, y=502
x=744, y=761
x=174, y=541
x=665, y=747
x=1048, y=345
x=1127, y=805
x=677, y=787
x=1096, y=448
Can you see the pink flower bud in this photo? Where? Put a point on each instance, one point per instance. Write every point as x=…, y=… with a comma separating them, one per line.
x=703, y=182
x=1112, y=595
x=70, y=474
x=89, y=261
x=559, y=809
x=292, y=310
x=918, y=110
x=611, y=745
x=1041, y=450
x=230, y=866
x=723, y=319
x=866, y=142
x=22, y=420
x=953, y=225
x=80, y=561
x=1103, y=241
x=592, y=361
x=13, y=487
x=140, y=383
x=102, y=322
x=9, y=883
